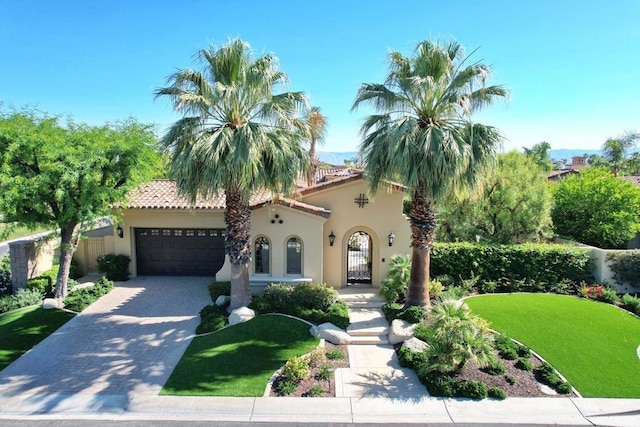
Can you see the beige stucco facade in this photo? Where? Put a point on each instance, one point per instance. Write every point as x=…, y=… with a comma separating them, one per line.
x=312, y=217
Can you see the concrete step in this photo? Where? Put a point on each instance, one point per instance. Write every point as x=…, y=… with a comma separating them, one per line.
x=368, y=332
x=354, y=305
x=368, y=340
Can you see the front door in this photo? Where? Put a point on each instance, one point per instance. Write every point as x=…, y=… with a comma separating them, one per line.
x=359, y=262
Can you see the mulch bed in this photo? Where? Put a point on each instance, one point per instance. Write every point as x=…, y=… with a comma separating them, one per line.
x=329, y=387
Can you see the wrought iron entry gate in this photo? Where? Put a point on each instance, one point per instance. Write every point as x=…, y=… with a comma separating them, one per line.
x=359, y=258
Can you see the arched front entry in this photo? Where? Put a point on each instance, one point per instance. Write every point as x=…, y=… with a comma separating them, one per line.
x=359, y=258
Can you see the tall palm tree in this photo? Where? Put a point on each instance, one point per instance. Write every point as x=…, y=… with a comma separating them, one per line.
x=615, y=150
x=423, y=137
x=235, y=136
x=317, y=130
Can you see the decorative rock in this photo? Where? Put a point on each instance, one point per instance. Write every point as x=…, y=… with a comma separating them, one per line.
x=241, y=315
x=331, y=333
x=415, y=345
x=50, y=303
x=223, y=299
x=400, y=331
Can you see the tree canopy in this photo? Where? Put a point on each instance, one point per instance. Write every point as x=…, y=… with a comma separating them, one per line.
x=512, y=204
x=597, y=208
x=65, y=176
x=423, y=136
x=540, y=155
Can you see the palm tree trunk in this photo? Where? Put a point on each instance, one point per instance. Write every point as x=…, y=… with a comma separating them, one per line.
x=66, y=253
x=423, y=229
x=314, y=163
x=237, y=215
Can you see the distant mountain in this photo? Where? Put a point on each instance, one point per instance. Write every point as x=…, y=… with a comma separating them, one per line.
x=336, y=158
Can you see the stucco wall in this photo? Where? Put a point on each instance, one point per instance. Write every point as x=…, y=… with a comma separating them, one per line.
x=380, y=216
x=306, y=226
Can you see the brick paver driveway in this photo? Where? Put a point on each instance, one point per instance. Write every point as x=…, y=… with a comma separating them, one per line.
x=127, y=342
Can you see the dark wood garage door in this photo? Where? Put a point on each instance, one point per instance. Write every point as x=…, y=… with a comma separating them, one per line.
x=179, y=251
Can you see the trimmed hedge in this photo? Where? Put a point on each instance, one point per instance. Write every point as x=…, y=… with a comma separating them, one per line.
x=625, y=267
x=115, y=266
x=79, y=299
x=545, y=263
x=219, y=288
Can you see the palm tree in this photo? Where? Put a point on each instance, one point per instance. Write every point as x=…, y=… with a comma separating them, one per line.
x=615, y=150
x=317, y=130
x=424, y=138
x=235, y=136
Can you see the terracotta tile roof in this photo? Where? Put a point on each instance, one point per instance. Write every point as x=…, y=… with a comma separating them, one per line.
x=163, y=194
x=294, y=204
x=348, y=175
x=555, y=175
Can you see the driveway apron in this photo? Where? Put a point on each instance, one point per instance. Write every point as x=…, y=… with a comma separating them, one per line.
x=128, y=342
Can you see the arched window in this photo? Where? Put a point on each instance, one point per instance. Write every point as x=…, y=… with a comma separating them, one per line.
x=262, y=256
x=294, y=256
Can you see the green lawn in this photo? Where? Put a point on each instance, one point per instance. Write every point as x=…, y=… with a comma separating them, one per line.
x=20, y=330
x=591, y=343
x=239, y=360
x=18, y=232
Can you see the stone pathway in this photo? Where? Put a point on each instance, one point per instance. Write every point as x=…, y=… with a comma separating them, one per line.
x=374, y=370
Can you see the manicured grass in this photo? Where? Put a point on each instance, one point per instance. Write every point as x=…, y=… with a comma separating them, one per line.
x=591, y=343
x=239, y=360
x=20, y=330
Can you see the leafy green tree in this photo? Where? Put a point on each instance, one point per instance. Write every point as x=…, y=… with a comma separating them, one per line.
x=67, y=176
x=235, y=136
x=597, y=208
x=512, y=205
x=316, y=132
x=423, y=136
x=540, y=155
x=616, y=150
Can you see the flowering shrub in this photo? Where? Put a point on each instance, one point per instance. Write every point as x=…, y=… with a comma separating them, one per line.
x=599, y=293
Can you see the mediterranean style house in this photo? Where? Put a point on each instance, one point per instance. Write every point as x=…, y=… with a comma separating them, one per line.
x=331, y=232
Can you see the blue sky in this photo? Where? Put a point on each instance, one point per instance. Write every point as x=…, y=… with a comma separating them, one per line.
x=572, y=67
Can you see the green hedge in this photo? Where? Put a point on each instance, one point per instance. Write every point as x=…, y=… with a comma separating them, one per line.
x=22, y=298
x=79, y=299
x=544, y=263
x=626, y=267
x=115, y=266
x=219, y=288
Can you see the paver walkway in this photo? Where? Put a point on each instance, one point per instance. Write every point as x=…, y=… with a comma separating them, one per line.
x=374, y=370
x=127, y=342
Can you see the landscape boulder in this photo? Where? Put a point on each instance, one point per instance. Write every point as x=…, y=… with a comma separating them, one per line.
x=415, y=345
x=331, y=333
x=223, y=300
x=50, y=303
x=400, y=331
x=241, y=315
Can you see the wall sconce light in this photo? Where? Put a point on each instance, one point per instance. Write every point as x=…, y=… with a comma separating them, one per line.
x=120, y=232
x=332, y=238
x=391, y=238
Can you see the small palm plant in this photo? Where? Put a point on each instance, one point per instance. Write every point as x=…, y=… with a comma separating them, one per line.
x=456, y=337
x=394, y=287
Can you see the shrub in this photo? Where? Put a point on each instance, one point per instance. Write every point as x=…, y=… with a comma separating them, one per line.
x=472, y=389
x=314, y=296
x=115, y=267
x=278, y=297
x=296, y=369
x=506, y=347
x=439, y=384
x=314, y=391
x=212, y=318
x=546, y=374
x=435, y=288
x=523, y=351
x=79, y=299
x=510, y=379
x=413, y=314
x=495, y=367
x=411, y=359
x=631, y=303
x=625, y=267
x=543, y=263
x=40, y=284
x=524, y=364
x=509, y=354
x=487, y=286
x=564, y=388
x=599, y=293
x=609, y=295
x=5, y=275
x=286, y=387
x=219, y=288
x=391, y=311
x=496, y=393
x=394, y=287
x=334, y=354
x=22, y=298
x=324, y=373
x=316, y=357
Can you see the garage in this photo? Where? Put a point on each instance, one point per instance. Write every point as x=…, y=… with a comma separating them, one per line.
x=179, y=251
